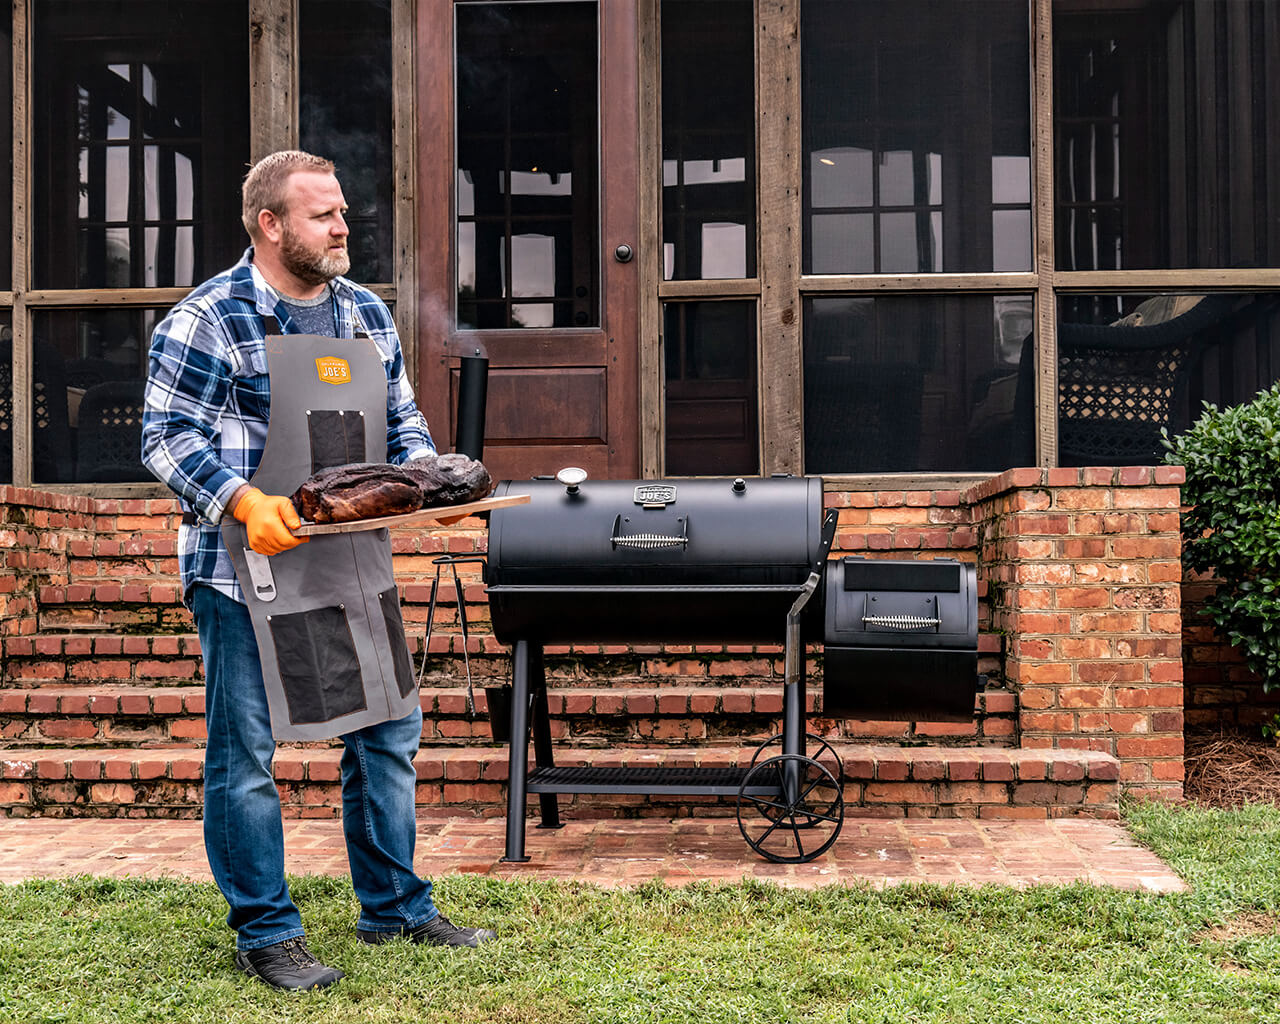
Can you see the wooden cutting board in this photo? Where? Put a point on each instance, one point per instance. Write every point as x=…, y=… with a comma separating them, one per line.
x=424, y=515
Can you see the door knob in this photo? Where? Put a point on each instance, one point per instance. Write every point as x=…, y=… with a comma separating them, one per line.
x=623, y=253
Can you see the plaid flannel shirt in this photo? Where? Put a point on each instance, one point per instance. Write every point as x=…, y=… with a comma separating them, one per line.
x=208, y=398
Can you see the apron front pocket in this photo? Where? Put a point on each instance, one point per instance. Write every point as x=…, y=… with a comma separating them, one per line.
x=318, y=666
x=389, y=601
x=336, y=437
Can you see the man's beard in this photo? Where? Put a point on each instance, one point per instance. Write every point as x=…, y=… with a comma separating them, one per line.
x=311, y=266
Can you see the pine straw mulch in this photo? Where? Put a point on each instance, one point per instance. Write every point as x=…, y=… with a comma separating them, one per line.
x=1231, y=770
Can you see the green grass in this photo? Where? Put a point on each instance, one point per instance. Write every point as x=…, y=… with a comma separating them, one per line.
x=89, y=950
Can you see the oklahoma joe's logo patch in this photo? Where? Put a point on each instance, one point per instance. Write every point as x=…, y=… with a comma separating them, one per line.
x=333, y=370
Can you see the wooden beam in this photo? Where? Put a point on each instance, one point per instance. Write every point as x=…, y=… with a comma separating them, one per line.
x=714, y=288
x=22, y=224
x=780, y=355
x=75, y=298
x=1251, y=280
x=404, y=149
x=649, y=243
x=273, y=58
x=1046, y=347
x=848, y=283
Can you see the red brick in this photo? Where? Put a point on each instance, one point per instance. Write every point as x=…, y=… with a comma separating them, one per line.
x=65, y=729
x=891, y=771
x=86, y=768
x=15, y=793
x=1149, y=747
x=111, y=793
x=1117, y=671
x=1038, y=698
x=1047, y=721
x=1083, y=696
x=167, y=703
x=188, y=728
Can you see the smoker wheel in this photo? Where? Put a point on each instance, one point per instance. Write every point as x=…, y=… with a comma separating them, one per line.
x=816, y=748
x=801, y=805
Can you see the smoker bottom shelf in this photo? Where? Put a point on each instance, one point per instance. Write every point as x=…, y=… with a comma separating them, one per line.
x=654, y=780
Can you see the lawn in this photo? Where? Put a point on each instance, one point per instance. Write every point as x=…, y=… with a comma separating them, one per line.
x=102, y=951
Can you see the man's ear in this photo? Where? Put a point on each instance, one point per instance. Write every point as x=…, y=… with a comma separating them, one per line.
x=270, y=226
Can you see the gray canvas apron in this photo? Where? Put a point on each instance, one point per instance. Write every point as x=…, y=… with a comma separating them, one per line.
x=325, y=614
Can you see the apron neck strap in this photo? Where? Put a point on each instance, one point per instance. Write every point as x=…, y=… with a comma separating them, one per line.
x=271, y=325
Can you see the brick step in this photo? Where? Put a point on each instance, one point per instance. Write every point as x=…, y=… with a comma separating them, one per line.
x=880, y=779
x=621, y=663
x=115, y=715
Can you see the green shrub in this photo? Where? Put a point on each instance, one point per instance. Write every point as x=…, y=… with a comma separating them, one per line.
x=1232, y=460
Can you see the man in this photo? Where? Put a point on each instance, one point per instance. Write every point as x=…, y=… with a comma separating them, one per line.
x=237, y=351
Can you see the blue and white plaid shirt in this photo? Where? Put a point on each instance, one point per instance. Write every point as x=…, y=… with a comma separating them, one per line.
x=208, y=399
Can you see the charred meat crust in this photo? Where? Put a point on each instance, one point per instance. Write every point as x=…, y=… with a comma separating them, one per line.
x=370, y=490
x=361, y=490
x=450, y=479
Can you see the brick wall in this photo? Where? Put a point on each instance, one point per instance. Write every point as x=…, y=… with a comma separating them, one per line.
x=1079, y=590
x=1084, y=578
x=1223, y=695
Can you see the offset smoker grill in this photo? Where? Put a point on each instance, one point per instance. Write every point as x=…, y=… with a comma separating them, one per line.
x=687, y=561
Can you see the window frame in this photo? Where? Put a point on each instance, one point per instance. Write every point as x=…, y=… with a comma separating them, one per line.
x=273, y=124
x=781, y=289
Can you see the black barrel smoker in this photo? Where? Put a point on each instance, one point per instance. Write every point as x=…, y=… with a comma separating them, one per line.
x=707, y=561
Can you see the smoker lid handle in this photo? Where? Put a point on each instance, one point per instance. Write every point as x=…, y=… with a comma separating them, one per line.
x=649, y=541
x=829, y=523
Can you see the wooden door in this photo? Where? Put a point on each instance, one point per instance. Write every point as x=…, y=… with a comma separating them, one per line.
x=527, y=192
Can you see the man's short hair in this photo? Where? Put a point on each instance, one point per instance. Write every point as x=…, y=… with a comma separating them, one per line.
x=265, y=184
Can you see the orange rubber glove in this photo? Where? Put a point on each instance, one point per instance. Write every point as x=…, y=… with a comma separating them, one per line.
x=268, y=519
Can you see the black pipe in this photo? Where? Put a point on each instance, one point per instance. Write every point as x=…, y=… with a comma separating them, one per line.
x=473, y=386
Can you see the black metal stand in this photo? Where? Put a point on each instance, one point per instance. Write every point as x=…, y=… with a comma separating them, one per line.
x=792, y=792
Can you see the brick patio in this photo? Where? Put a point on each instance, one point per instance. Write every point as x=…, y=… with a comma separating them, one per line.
x=875, y=851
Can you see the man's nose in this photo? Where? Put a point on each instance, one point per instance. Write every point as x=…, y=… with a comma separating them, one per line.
x=339, y=229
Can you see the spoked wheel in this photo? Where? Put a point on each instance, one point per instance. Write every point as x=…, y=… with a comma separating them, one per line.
x=790, y=809
x=816, y=749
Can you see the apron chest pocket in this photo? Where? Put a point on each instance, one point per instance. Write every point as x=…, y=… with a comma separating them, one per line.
x=318, y=666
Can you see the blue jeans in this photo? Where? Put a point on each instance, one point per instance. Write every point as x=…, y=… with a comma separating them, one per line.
x=243, y=833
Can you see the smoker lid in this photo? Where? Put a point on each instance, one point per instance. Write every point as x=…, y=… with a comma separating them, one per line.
x=764, y=530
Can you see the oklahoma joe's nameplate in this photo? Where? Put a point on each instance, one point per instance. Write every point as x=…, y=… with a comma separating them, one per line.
x=654, y=495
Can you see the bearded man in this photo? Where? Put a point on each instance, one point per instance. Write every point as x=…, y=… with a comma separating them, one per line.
x=233, y=355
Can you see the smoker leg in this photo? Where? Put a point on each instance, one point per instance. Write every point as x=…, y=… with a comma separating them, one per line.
x=518, y=771
x=793, y=696
x=543, y=756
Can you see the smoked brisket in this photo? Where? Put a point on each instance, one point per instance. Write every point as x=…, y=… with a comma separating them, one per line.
x=370, y=490
x=450, y=479
x=360, y=490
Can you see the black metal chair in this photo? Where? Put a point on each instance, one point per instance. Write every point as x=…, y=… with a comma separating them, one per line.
x=50, y=433
x=1119, y=385
x=85, y=373
x=110, y=433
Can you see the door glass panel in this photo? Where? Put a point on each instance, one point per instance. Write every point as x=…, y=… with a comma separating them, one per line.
x=708, y=139
x=1132, y=365
x=1164, y=136
x=141, y=139
x=903, y=384
x=344, y=57
x=710, y=405
x=527, y=149
x=892, y=185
